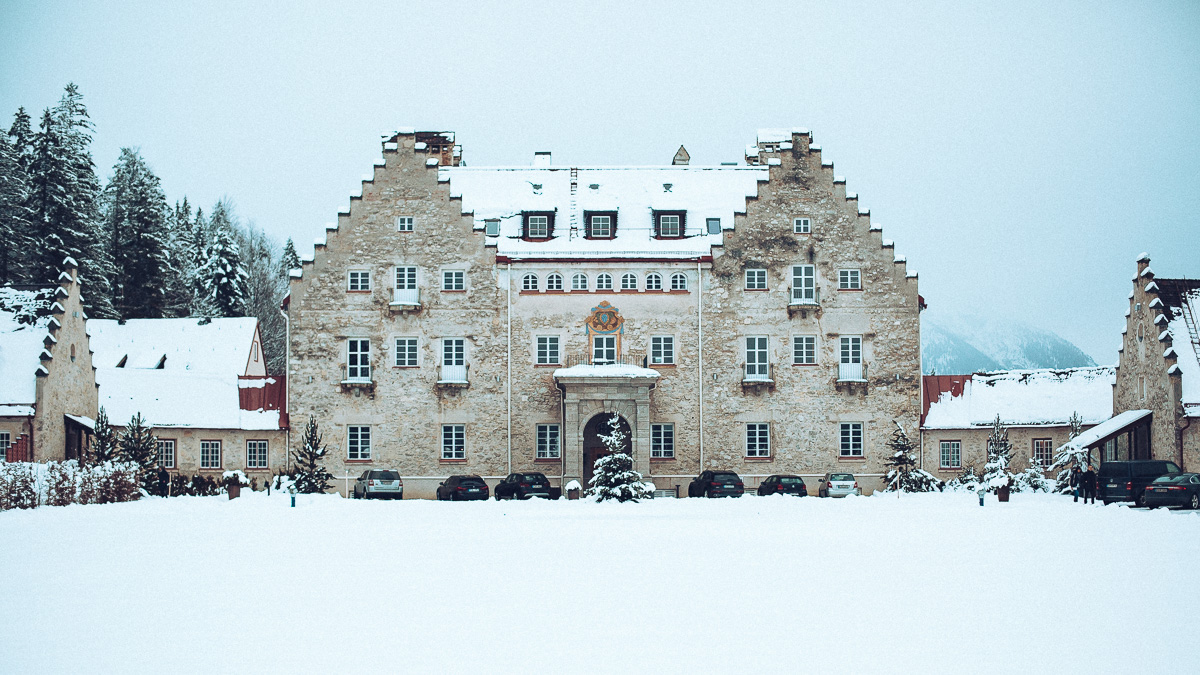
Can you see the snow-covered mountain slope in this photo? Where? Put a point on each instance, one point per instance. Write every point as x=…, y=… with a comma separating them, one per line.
x=968, y=344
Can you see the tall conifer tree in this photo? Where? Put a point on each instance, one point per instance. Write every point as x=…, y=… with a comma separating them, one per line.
x=15, y=220
x=134, y=212
x=222, y=274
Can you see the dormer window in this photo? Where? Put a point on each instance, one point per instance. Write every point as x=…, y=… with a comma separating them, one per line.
x=491, y=228
x=714, y=225
x=669, y=224
x=539, y=225
x=601, y=224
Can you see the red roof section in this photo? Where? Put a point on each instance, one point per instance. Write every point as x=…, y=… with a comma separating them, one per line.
x=933, y=386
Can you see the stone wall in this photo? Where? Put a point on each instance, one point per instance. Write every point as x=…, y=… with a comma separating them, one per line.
x=233, y=450
x=69, y=385
x=974, y=447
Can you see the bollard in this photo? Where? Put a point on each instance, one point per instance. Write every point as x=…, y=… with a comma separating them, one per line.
x=294, y=500
x=981, y=494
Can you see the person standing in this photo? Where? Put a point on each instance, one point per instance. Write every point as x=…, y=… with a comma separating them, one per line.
x=1089, y=485
x=1076, y=479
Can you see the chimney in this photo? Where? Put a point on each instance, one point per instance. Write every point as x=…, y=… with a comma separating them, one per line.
x=541, y=158
x=681, y=157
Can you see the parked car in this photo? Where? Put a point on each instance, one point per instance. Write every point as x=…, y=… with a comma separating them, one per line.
x=716, y=484
x=462, y=488
x=838, y=485
x=1127, y=481
x=781, y=484
x=379, y=483
x=523, y=486
x=1181, y=489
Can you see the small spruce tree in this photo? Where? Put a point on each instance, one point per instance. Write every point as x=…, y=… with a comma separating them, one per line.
x=1068, y=457
x=105, y=446
x=614, y=477
x=310, y=474
x=139, y=446
x=996, y=473
x=903, y=473
x=290, y=261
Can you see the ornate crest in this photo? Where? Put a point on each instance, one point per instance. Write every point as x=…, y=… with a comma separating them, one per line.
x=605, y=319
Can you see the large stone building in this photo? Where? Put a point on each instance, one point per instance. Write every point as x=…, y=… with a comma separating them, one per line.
x=486, y=320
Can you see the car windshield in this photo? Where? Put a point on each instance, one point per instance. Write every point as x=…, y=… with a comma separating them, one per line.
x=790, y=481
x=841, y=476
x=534, y=477
x=385, y=475
x=725, y=477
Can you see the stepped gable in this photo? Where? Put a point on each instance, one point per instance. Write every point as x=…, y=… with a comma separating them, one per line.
x=1174, y=305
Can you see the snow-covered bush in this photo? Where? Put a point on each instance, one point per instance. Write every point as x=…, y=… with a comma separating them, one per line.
x=614, y=477
x=996, y=473
x=903, y=473
x=1068, y=457
x=18, y=486
x=1032, y=479
x=282, y=482
x=966, y=481
x=25, y=485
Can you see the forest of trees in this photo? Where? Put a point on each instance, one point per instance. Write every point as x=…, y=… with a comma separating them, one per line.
x=139, y=257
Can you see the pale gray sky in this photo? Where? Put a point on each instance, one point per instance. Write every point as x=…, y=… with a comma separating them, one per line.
x=1021, y=154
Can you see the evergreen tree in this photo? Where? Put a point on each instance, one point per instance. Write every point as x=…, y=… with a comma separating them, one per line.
x=967, y=479
x=311, y=476
x=999, y=452
x=179, y=271
x=1032, y=479
x=903, y=473
x=134, y=214
x=290, y=261
x=614, y=477
x=139, y=446
x=222, y=274
x=1068, y=457
x=105, y=446
x=21, y=136
x=15, y=217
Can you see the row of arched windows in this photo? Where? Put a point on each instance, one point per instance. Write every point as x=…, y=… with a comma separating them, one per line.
x=604, y=282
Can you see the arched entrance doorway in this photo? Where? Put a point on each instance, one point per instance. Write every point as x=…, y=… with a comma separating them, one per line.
x=594, y=448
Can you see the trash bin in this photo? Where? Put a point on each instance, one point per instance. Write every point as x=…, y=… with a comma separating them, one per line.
x=235, y=490
x=573, y=493
x=1002, y=493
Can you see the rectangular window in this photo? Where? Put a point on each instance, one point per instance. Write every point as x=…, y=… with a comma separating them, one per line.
x=951, y=454
x=756, y=280
x=404, y=223
x=358, y=442
x=454, y=437
x=547, y=441
x=669, y=224
x=491, y=228
x=166, y=451
x=210, y=454
x=256, y=454
x=851, y=444
x=601, y=225
x=849, y=280
x=757, y=367
x=406, y=352
x=604, y=349
x=804, y=350
x=801, y=225
x=714, y=225
x=454, y=351
x=406, y=285
x=547, y=350
x=359, y=280
x=5, y=444
x=804, y=284
x=358, y=359
x=1042, y=451
x=758, y=440
x=850, y=365
x=454, y=280
x=662, y=441
x=662, y=349
x=537, y=226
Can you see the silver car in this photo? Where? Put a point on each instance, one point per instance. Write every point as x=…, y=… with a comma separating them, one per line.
x=379, y=483
x=838, y=485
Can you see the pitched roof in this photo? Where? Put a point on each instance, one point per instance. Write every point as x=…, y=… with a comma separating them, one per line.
x=221, y=346
x=1023, y=397
x=24, y=327
x=178, y=399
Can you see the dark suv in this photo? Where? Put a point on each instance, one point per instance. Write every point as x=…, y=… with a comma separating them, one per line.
x=716, y=484
x=783, y=485
x=1127, y=481
x=523, y=486
x=462, y=488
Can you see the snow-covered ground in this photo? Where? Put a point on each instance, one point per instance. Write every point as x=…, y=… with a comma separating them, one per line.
x=878, y=584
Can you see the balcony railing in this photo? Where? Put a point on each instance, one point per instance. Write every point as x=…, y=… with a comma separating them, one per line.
x=453, y=375
x=805, y=296
x=757, y=373
x=406, y=297
x=359, y=377
x=621, y=359
x=852, y=372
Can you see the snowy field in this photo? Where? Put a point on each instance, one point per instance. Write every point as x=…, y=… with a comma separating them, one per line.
x=924, y=583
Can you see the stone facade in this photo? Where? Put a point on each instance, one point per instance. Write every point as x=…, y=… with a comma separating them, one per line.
x=233, y=451
x=704, y=391
x=974, y=447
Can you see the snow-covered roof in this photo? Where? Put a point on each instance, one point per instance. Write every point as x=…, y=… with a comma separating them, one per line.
x=1187, y=358
x=504, y=193
x=1026, y=397
x=24, y=327
x=168, y=398
x=221, y=346
x=613, y=370
x=1105, y=428
x=779, y=135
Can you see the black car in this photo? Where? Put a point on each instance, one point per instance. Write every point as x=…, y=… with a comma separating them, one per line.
x=716, y=484
x=523, y=486
x=462, y=488
x=1174, y=490
x=783, y=484
x=1127, y=481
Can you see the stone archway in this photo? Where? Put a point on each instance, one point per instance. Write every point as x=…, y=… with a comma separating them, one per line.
x=594, y=448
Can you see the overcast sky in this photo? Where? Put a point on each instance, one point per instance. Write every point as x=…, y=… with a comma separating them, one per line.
x=1020, y=154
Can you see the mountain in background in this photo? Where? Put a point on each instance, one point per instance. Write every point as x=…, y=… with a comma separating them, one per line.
x=968, y=344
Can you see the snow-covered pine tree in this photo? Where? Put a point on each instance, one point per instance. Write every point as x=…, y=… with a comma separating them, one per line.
x=310, y=474
x=21, y=136
x=140, y=446
x=903, y=473
x=105, y=444
x=614, y=477
x=1068, y=457
x=176, y=284
x=1032, y=479
x=134, y=214
x=223, y=274
x=967, y=479
x=290, y=261
x=999, y=455
x=15, y=217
